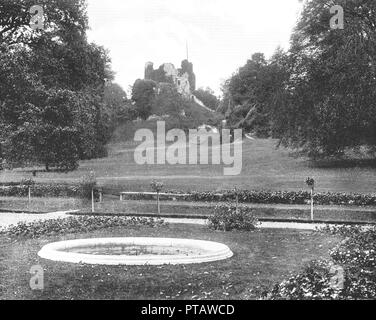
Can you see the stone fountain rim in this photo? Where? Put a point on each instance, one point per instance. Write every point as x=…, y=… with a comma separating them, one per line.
x=214, y=251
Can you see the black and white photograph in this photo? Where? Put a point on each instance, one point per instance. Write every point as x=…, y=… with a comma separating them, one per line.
x=201, y=151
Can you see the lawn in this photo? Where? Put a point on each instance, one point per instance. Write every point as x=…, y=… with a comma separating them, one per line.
x=261, y=258
x=41, y=205
x=264, y=167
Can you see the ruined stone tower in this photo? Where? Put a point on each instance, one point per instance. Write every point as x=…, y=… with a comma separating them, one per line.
x=183, y=78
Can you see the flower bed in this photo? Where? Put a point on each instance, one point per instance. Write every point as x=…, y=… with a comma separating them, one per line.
x=75, y=224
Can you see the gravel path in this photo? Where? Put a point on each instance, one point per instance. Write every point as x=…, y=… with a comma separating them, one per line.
x=271, y=225
x=7, y=219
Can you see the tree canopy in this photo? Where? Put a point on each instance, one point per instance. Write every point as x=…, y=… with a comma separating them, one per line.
x=51, y=86
x=319, y=96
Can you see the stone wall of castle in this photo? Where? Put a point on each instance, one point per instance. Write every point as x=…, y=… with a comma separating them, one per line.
x=183, y=78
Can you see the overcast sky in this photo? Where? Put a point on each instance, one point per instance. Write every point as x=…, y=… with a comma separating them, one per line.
x=221, y=34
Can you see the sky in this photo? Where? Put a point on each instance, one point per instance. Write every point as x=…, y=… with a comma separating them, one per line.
x=221, y=34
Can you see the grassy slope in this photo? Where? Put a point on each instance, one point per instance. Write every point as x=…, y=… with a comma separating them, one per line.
x=264, y=167
x=261, y=258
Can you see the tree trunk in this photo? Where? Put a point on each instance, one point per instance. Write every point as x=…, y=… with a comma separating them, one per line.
x=159, y=207
x=312, y=218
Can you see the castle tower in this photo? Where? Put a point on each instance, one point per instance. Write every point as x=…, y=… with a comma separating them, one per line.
x=149, y=68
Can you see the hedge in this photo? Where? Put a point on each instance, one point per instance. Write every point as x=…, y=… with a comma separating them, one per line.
x=271, y=197
x=42, y=190
x=76, y=224
x=245, y=196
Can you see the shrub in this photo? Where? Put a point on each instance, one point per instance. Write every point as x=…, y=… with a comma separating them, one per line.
x=74, y=224
x=41, y=190
x=274, y=197
x=87, y=184
x=227, y=217
x=356, y=254
x=313, y=283
x=27, y=182
x=156, y=186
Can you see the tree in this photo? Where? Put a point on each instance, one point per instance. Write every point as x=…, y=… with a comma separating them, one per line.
x=250, y=93
x=117, y=108
x=330, y=94
x=64, y=20
x=143, y=95
x=51, y=86
x=207, y=97
x=168, y=101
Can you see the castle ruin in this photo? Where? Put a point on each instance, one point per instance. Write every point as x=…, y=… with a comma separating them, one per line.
x=183, y=78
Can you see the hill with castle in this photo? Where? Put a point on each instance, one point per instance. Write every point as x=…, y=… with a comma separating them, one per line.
x=183, y=78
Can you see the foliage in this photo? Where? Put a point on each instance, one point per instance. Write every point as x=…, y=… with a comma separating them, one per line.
x=324, y=120
x=310, y=182
x=312, y=283
x=27, y=182
x=117, y=108
x=63, y=18
x=228, y=217
x=168, y=101
x=249, y=95
x=273, y=197
x=88, y=183
x=319, y=96
x=51, y=87
x=76, y=224
x=143, y=95
x=42, y=190
x=356, y=255
x=207, y=97
x=157, y=186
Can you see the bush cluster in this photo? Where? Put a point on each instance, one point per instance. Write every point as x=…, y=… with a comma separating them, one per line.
x=272, y=197
x=76, y=224
x=244, y=196
x=88, y=183
x=227, y=217
x=356, y=255
x=81, y=190
x=285, y=197
x=42, y=190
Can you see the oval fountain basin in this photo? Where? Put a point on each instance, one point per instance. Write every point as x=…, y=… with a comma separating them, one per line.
x=135, y=251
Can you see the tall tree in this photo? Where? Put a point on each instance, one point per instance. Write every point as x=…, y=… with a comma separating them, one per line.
x=249, y=94
x=207, y=97
x=331, y=91
x=143, y=95
x=51, y=86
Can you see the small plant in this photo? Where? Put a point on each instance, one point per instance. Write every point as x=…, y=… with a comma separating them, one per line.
x=157, y=187
x=27, y=182
x=227, y=217
x=87, y=184
x=311, y=183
